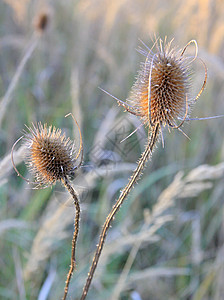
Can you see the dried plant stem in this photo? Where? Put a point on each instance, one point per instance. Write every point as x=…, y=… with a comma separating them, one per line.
x=134, y=178
x=75, y=234
x=8, y=95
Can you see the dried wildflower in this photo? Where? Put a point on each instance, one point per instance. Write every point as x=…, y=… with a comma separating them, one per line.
x=161, y=91
x=50, y=157
x=160, y=96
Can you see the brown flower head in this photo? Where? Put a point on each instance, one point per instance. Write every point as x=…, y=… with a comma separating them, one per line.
x=161, y=93
x=49, y=155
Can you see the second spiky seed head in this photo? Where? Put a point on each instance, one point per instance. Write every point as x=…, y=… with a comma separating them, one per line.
x=161, y=91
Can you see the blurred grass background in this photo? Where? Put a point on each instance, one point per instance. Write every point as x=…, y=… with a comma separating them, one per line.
x=167, y=240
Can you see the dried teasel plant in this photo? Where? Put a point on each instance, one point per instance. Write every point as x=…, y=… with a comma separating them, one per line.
x=51, y=156
x=41, y=23
x=161, y=98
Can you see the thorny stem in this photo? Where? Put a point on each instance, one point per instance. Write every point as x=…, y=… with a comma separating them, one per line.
x=75, y=234
x=134, y=178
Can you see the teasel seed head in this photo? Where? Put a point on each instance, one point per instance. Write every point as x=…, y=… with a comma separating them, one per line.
x=161, y=93
x=49, y=155
x=159, y=96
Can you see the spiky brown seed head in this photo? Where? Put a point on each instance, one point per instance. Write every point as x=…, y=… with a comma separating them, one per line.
x=49, y=154
x=161, y=91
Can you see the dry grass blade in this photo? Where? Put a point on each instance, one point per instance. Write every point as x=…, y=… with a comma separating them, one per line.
x=42, y=21
x=11, y=88
x=46, y=287
x=198, y=180
x=123, y=277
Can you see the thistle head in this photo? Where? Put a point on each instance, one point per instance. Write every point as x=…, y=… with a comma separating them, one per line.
x=161, y=93
x=49, y=155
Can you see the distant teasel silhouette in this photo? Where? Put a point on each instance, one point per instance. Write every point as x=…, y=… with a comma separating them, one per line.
x=40, y=24
x=42, y=19
x=51, y=156
x=161, y=98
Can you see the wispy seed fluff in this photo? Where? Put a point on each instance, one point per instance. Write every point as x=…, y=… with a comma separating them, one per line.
x=161, y=93
x=49, y=154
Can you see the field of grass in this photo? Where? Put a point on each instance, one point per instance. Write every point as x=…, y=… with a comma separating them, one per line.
x=167, y=241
